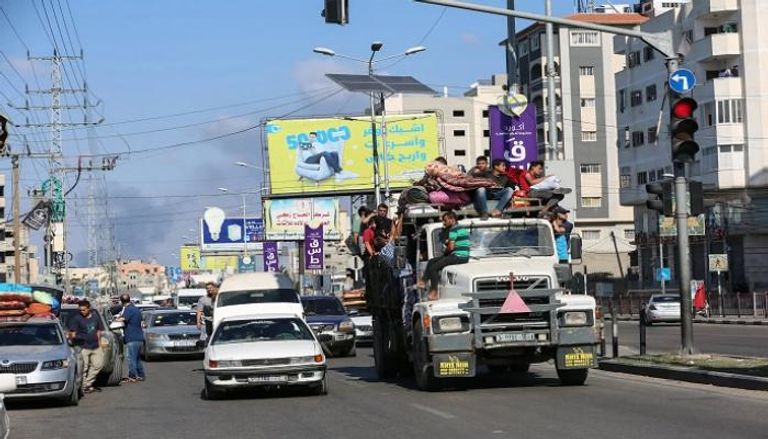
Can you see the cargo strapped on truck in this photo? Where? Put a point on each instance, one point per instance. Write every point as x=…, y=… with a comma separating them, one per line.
x=425, y=210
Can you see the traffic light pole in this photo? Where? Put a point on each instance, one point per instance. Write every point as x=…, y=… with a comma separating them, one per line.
x=684, y=255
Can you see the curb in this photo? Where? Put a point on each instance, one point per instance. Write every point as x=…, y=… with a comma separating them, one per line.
x=680, y=373
x=710, y=321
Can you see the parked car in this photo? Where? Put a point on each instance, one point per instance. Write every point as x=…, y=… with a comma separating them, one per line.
x=331, y=324
x=662, y=308
x=256, y=293
x=114, y=352
x=363, y=327
x=143, y=307
x=7, y=384
x=45, y=366
x=187, y=298
x=170, y=333
x=263, y=350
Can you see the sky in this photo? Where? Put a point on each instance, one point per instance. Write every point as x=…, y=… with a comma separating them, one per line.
x=181, y=85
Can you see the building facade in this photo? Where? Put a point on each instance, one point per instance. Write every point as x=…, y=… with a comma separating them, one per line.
x=29, y=263
x=721, y=41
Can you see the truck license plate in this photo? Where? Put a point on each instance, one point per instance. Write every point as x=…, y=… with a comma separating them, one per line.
x=268, y=379
x=454, y=365
x=516, y=337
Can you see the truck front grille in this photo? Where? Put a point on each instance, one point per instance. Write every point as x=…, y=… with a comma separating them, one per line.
x=520, y=284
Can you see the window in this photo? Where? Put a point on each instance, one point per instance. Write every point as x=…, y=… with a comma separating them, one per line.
x=522, y=48
x=587, y=70
x=636, y=98
x=633, y=59
x=535, y=42
x=653, y=135
x=486, y=133
x=587, y=102
x=642, y=178
x=625, y=180
x=591, y=235
x=459, y=133
x=487, y=152
x=660, y=174
x=585, y=38
x=651, y=177
x=622, y=100
x=460, y=153
x=648, y=54
x=458, y=113
x=638, y=138
x=629, y=234
x=591, y=202
x=626, y=136
x=590, y=168
x=730, y=111
x=589, y=136
x=650, y=93
x=485, y=114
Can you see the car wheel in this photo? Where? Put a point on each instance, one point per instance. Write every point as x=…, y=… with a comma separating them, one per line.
x=74, y=397
x=117, y=372
x=574, y=377
x=322, y=388
x=351, y=352
x=211, y=392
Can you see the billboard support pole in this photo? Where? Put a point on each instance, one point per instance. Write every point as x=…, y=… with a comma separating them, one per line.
x=376, y=178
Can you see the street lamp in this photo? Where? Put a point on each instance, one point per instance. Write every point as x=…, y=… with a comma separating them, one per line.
x=246, y=258
x=375, y=47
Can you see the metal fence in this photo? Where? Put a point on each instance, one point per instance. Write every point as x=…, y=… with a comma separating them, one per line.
x=753, y=305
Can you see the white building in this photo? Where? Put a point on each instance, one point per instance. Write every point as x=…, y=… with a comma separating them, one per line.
x=723, y=44
x=652, y=8
x=29, y=262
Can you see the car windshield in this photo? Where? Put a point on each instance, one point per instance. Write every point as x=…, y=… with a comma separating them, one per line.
x=666, y=299
x=503, y=240
x=245, y=331
x=30, y=335
x=323, y=306
x=247, y=297
x=174, y=319
x=188, y=300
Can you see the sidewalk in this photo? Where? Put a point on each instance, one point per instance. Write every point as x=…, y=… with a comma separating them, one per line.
x=728, y=320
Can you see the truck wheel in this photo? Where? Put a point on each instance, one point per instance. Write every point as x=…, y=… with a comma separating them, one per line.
x=422, y=369
x=498, y=370
x=572, y=377
x=382, y=358
x=520, y=368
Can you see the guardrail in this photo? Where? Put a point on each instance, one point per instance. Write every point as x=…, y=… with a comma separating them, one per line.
x=754, y=305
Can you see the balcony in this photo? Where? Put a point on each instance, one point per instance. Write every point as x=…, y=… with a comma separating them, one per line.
x=719, y=88
x=716, y=47
x=712, y=8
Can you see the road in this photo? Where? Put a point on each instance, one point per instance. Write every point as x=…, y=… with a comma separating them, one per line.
x=168, y=405
x=744, y=340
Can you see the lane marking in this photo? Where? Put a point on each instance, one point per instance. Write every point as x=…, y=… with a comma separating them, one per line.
x=430, y=410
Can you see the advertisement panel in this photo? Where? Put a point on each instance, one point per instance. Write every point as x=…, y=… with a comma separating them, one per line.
x=696, y=226
x=189, y=258
x=316, y=156
x=226, y=234
x=313, y=248
x=220, y=263
x=271, y=257
x=513, y=138
x=285, y=219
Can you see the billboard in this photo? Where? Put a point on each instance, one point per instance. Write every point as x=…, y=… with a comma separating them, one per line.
x=220, y=263
x=189, y=258
x=271, y=257
x=316, y=156
x=513, y=138
x=284, y=220
x=313, y=248
x=226, y=234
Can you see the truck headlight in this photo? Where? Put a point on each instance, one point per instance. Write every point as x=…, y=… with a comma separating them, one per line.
x=55, y=364
x=575, y=318
x=347, y=326
x=449, y=324
x=230, y=363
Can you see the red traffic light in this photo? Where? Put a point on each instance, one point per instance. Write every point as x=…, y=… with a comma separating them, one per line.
x=684, y=108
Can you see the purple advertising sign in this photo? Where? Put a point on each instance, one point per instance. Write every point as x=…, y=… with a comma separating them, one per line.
x=513, y=138
x=313, y=248
x=271, y=258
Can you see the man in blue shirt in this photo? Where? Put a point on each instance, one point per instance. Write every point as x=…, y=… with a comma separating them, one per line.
x=134, y=339
x=85, y=331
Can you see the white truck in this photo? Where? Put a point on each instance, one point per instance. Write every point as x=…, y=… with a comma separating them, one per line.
x=451, y=336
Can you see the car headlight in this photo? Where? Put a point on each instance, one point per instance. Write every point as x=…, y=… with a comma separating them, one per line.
x=230, y=363
x=346, y=326
x=55, y=364
x=153, y=336
x=450, y=324
x=302, y=360
x=575, y=318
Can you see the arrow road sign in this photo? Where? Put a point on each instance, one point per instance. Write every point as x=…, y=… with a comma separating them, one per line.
x=682, y=81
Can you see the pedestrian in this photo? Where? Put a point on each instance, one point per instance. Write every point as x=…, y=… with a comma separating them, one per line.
x=205, y=309
x=456, y=239
x=134, y=339
x=85, y=330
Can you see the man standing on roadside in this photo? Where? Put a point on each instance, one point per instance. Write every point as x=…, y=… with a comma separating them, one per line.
x=134, y=339
x=85, y=331
x=205, y=309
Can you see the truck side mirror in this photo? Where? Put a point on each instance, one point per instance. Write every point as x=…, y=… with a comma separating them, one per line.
x=576, y=248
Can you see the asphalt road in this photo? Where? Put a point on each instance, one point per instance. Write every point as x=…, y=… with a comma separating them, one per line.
x=169, y=405
x=743, y=340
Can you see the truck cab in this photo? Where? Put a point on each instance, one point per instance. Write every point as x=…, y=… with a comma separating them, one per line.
x=451, y=336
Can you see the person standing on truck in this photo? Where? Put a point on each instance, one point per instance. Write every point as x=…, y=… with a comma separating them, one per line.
x=457, y=245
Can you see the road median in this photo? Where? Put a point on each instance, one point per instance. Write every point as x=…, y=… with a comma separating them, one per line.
x=737, y=372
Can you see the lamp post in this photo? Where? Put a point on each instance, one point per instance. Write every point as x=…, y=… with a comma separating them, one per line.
x=246, y=258
x=375, y=47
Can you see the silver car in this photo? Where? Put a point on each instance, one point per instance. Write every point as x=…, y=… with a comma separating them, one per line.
x=7, y=384
x=170, y=332
x=662, y=308
x=45, y=366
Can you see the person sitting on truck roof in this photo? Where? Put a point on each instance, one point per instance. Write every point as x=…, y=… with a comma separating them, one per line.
x=481, y=168
x=545, y=187
x=503, y=193
x=456, y=252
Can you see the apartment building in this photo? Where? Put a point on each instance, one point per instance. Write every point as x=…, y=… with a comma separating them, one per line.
x=722, y=43
x=29, y=262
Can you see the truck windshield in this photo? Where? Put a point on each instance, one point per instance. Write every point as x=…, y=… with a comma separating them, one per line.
x=501, y=240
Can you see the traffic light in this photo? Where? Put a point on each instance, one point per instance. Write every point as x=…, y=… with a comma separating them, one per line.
x=3, y=133
x=336, y=11
x=660, y=197
x=682, y=126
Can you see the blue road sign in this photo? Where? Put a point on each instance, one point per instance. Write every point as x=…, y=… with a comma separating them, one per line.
x=663, y=274
x=682, y=80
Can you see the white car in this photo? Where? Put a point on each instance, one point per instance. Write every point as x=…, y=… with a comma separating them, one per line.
x=7, y=384
x=363, y=327
x=662, y=308
x=263, y=350
x=256, y=293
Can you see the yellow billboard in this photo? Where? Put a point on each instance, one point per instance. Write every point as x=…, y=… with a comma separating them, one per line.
x=189, y=258
x=220, y=262
x=314, y=156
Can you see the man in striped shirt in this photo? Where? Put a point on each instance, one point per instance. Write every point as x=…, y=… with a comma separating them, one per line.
x=456, y=252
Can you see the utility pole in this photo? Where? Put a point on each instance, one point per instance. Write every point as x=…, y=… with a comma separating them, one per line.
x=16, y=221
x=512, y=69
x=553, y=152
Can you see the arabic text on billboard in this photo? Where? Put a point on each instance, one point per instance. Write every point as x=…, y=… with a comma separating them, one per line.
x=513, y=138
x=284, y=220
x=309, y=156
